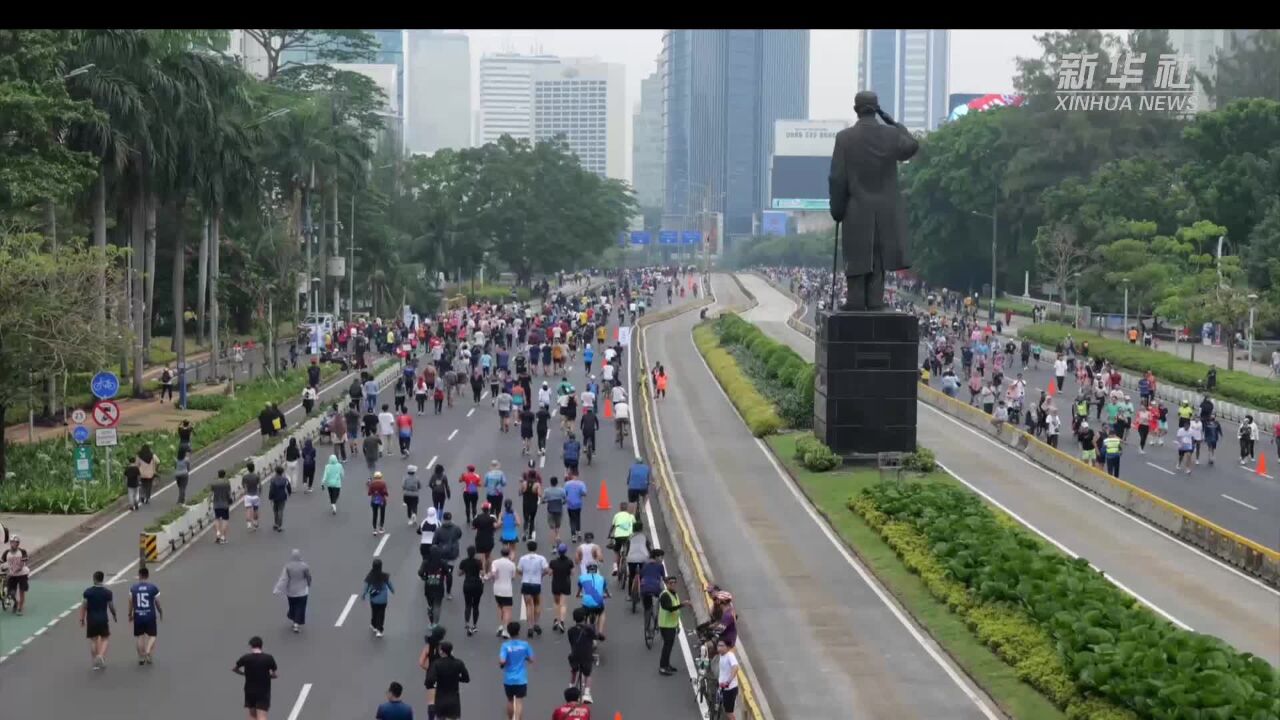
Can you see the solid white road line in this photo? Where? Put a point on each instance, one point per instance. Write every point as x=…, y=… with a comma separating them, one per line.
x=346, y=610
x=452, y=434
x=1163, y=470
x=297, y=705
x=1239, y=502
x=381, y=544
x=195, y=469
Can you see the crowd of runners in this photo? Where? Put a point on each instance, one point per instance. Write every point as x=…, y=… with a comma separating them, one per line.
x=514, y=356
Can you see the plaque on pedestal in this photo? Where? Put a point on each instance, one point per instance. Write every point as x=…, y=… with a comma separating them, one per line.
x=866, y=378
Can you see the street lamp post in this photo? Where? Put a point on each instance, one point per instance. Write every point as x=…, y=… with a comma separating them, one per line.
x=993, y=217
x=1076, y=278
x=1253, y=298
x=1125, y=327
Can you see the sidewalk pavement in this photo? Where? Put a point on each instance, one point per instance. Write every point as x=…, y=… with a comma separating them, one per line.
x=38, y=531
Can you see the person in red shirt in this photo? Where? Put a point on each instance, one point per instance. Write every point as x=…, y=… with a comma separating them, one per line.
x=470, y=482
x=573, y=708
x=404, y=424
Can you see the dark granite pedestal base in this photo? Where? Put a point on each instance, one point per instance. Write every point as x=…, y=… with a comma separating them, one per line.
x=866, y=382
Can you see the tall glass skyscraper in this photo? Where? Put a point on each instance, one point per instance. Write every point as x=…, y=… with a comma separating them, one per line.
x=722, y=92
x=908, y=70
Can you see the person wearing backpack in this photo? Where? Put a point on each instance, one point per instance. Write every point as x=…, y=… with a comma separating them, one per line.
x=411, y=487
x=438, y=483
x=448, y=540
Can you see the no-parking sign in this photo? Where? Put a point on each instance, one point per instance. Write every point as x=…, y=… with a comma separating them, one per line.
x=106, y=414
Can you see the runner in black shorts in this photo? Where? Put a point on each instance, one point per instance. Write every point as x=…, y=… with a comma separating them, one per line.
x=582, y=640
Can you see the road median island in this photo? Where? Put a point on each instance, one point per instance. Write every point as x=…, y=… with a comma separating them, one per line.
x=1240, y=552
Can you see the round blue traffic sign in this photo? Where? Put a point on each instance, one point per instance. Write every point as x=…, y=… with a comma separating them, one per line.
x=80, y=434
x=105, y=385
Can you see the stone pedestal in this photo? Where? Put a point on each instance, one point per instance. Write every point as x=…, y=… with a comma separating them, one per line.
x=865, y=383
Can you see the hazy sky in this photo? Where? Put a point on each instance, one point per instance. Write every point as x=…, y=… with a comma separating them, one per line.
x=981, y=60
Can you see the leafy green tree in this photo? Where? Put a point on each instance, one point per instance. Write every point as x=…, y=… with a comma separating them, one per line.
x=36, y=112
x=1249, y=69
x=46, y=294
x=1234, y=166
x=325, y=46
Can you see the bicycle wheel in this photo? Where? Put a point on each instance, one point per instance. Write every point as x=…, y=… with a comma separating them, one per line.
x=650, y=627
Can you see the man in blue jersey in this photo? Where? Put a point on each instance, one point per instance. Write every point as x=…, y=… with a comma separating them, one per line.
x=514, y=658
x=145, y=613
x=593, y=590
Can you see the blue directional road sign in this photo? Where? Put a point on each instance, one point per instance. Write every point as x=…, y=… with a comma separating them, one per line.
x=668, y=237
x=691, y=237
x=640, y=237
x=105, y=385
x=80, y=433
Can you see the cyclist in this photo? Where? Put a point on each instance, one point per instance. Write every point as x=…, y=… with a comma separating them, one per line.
x=572, y=449
x=582, y=645
x=594, y=591
x=589, y=424
x=638, y=484
x=638, y=551
x=620, y=531
x=14, y=562
x=621, y=421
x=650, y=578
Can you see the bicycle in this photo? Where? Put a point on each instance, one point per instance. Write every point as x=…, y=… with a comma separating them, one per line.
x=650, y=625
x=589, y=447
x=621, y=432
x=705, y=682
x=6, y=601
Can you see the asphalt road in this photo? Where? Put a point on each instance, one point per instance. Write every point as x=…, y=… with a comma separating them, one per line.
x=1178, y=581
x=1226, y=493
x=216, y=596
x=819, y=636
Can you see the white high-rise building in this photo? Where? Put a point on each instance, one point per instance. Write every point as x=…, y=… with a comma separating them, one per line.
x=648, y=144
x=584, y=100
x=437, y=79
x=907, y=69
x=506, y=95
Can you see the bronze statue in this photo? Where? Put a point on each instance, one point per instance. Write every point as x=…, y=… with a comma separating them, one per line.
x=866, y=202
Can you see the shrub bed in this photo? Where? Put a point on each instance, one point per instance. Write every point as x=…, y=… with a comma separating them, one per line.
x=40, y=477
x=1069, y=632
x=780, y=373
x=814, y=454
x=759, y=413
x=1244, y=388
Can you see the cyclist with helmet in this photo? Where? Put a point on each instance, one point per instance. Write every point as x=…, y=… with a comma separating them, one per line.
x=593, y=590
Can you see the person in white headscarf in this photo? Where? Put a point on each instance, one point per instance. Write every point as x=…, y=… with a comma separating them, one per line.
x=295, y=584
x=428, y=532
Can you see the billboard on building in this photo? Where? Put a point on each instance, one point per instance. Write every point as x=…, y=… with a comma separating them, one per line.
x=801, y=163
x=983, y=102
x=774, y=222
x=813, y=138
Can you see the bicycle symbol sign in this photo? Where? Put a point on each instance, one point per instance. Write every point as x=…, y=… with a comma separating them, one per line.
x=105, y=385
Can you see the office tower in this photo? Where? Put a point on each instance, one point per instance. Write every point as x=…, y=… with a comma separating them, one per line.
x=907, y=69
x=647, y=155
x=585, y=101
x=722, y=92
x=437, y=109
x=506, y=95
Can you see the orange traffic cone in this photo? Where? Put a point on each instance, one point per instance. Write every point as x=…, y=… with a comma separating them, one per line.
x=615, y=332
x=608, y=408
x=1053, y=388
x=604, y=503
x=617, y=715
x=1262, y=464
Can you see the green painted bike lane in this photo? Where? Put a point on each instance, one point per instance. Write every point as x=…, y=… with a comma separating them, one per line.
x=46, y=602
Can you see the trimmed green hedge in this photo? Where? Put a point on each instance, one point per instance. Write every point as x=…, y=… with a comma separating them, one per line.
x=815, y=455
x=1240, y=387
x=40, y=478
x=496, y=293
x=759, y=413
x=781, y=373
x=1095, y=651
